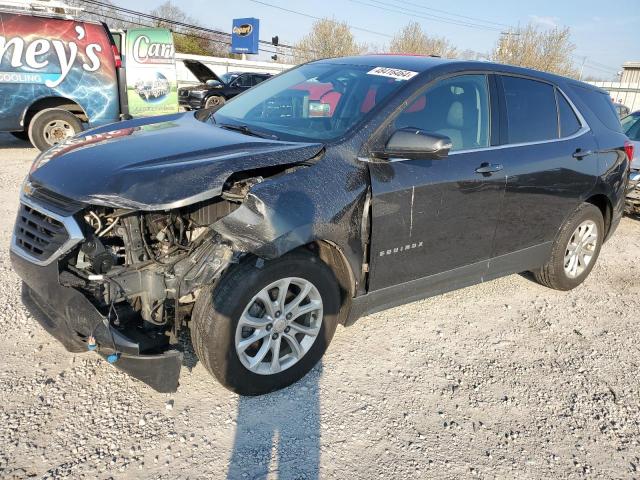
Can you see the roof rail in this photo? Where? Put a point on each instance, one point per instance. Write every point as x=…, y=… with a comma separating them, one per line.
x=51, y=7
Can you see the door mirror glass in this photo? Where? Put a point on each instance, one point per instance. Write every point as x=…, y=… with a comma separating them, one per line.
x=414, y=143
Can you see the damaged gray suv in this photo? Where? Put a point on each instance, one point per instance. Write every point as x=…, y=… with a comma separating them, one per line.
x=337, y=189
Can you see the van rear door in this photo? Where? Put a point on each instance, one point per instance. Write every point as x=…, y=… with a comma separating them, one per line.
x=151, y=72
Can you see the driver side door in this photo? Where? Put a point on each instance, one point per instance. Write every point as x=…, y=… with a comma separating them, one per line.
x=437, y=218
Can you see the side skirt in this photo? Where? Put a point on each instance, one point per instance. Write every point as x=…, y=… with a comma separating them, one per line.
x=530, y=258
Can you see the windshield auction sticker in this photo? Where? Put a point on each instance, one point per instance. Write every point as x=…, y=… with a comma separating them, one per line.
x=393, y=73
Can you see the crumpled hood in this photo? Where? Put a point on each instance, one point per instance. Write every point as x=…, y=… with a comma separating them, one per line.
x=158, y=163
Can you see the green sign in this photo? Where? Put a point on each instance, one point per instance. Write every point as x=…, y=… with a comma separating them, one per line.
x=152, y=87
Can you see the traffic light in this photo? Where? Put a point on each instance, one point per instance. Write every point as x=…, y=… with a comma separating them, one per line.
x=274, y=41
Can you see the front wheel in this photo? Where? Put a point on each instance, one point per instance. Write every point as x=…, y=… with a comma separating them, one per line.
x=262, y=329
x=575, y=250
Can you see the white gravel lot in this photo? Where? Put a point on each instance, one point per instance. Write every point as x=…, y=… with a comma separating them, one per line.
x=503, y=380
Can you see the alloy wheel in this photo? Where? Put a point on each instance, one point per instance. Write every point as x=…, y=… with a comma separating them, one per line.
x=279, y=326
x=581, y=249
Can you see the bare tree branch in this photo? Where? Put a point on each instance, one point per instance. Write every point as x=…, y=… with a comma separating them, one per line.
x=412, y=39
x=532, y=47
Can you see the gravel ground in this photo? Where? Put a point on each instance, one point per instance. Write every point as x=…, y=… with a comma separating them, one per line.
x=503, y=380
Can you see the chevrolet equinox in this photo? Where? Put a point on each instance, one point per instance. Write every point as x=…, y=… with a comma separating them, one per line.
x=332, y=191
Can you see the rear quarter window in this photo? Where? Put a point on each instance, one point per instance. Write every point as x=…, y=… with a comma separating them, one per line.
x=600, y=105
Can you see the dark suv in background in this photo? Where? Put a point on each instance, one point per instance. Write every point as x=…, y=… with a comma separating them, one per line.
x=334, y=190
x=215, y=89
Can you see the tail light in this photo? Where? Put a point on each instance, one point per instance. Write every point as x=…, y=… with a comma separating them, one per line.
x=629, y=150
x=118, y=59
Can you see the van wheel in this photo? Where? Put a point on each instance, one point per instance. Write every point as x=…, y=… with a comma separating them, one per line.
x=575, y=249
x=21, y=135
x=51, y=126
x=214, y=101
x=262, y=329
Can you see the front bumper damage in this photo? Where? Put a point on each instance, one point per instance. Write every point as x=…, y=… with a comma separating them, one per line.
x=71, y=318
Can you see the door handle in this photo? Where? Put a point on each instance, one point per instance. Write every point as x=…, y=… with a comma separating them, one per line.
x=488, y=168
x=579, y=154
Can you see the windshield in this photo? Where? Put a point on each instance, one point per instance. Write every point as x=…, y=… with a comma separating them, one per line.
x=317, y=101
x=227, y=77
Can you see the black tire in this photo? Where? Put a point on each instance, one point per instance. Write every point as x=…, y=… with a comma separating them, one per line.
x=553, y=274
x=21, y=135
x=214, y=101
x=218, y=308
x=43, y=135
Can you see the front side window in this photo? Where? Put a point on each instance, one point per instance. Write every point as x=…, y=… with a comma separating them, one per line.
x=316, y=101
x=457, y=107
x=531, y=110
x=243, y=81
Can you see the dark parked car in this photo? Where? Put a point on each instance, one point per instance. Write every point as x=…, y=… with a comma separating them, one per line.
x=631, y=127
x=215, y=89
x=337, y=189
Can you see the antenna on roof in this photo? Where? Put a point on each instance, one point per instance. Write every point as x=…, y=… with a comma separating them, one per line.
x=53, y=7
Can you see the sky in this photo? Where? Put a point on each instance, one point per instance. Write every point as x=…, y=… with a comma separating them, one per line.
x=607, y=37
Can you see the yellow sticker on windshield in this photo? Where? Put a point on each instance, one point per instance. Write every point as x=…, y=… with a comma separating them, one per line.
x=396, y=73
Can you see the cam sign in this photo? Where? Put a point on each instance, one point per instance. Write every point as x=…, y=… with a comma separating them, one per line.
x=245, y=34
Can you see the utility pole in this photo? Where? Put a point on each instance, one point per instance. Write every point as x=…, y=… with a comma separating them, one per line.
x=584, y=59
x=508, y=34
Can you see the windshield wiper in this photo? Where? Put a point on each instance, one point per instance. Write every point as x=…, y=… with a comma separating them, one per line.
x=246, y=130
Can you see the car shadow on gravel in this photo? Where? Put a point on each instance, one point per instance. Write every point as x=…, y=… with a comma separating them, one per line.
x=9, y=141
x=278, y=435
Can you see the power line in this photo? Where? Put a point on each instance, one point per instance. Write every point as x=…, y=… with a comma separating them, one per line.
x=189, y=26
x=318, y=18
x=187, y=34
x=414, y=13
x=476, y=19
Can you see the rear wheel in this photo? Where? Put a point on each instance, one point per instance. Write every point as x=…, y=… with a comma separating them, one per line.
x=262, y=329
x=575, y=249
x=51, y=126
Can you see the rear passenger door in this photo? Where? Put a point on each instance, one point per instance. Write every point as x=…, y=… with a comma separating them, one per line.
x=548, y=153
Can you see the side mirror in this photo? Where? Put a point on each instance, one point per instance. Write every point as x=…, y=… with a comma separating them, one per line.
x=413, y=143
x=213, y=83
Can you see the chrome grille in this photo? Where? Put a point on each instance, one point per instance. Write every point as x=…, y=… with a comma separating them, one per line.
x=41, y=235
x=38, y=234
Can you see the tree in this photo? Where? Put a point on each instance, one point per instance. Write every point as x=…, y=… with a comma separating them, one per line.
x=327, y=38
x=412, y=39
x=549, y=50
x=189, y=40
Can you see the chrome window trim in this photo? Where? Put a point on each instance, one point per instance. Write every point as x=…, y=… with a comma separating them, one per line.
x=69, y=223
x=584, y=128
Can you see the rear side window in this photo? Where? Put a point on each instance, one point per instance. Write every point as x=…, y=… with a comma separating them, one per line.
x=531, y=110
x=601, y=106
x=569, y=123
